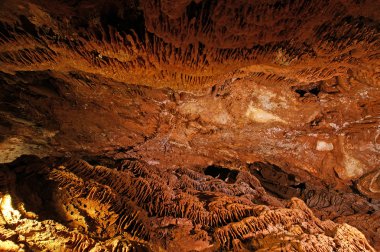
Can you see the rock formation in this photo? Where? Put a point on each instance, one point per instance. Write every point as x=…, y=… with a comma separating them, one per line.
x=190, y=125
x=80, y=207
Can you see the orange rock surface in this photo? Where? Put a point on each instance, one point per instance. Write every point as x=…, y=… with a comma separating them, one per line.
x=277, y=101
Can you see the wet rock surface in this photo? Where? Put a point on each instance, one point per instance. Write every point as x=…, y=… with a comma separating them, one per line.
x=72, y=205
x=285, y=91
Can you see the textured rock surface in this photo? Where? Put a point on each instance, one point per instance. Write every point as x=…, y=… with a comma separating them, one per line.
x=285, y=90
x=73, y=206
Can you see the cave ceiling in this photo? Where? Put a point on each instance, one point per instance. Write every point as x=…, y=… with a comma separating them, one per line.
x=190, y=125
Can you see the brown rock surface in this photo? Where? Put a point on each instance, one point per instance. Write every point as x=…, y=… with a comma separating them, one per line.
x=79, y=207
x=275, y=99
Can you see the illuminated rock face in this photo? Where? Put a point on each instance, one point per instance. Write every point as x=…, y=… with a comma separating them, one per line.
x=134, y=205
x=285, y=92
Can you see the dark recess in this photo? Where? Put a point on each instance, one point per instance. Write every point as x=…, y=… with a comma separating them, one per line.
x=224, y=174
x=131, y=19
x=312, y=88
x=28, y=26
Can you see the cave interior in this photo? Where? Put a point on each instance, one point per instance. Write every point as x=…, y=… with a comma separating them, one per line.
x=190, y=125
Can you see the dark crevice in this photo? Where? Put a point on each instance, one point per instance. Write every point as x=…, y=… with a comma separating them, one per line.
x=40, y=196
x=301, y=92
x=132, y=19
x=276, y=181
x=28, y=26
x=354, y=189
x=193, y=10
x=313, y=89
x=301, y=186
x=224, y=174
x=4, y=32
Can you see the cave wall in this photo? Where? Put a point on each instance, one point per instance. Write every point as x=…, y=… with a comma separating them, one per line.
x=76, y=206
x=279, y=88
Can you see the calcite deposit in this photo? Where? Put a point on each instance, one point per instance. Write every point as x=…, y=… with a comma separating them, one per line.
x=189, y=125
x=82, y=207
